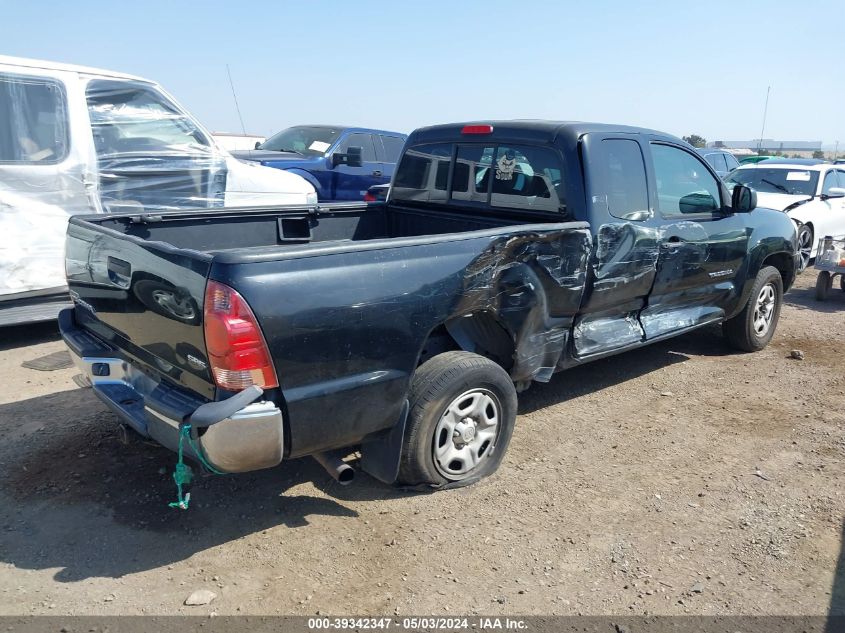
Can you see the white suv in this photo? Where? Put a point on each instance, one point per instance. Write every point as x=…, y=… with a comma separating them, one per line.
x=810, y=192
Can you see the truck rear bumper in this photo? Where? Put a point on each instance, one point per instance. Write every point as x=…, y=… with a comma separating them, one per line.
x=251, y=439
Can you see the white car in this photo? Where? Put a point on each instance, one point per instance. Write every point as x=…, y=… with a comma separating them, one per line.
x=810, y=192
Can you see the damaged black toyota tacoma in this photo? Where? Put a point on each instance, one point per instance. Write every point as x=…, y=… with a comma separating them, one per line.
x=505, y=251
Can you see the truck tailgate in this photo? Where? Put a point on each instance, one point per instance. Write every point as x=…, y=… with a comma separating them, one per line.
x=143, y=297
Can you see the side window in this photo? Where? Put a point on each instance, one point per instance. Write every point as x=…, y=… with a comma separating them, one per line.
x=717, y=161
x=423, y=173
x=33, y=127
x=684, y=186
x=392, y=148
x=364, y=141
x=830, y=181
x=619, y=177
x=731, y=162
x=841, y=177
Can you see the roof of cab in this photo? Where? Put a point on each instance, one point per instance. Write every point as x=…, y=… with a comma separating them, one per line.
x=532, y=130
x=23, y=62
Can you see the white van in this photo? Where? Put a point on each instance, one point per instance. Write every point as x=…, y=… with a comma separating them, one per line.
x=81, y=140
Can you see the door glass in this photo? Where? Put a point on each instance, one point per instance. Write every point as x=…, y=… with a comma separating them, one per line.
x=149, y=152
x=33, y=127
x=392, y=148
x=684, y=186
x=830, y=181
x=364, y=141
x=731, y=162
x=717, y=162
x=619, y=176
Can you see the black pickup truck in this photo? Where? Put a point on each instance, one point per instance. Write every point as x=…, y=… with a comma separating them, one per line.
x=505, y=251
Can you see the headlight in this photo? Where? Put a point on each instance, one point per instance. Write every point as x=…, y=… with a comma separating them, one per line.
x=311, y=198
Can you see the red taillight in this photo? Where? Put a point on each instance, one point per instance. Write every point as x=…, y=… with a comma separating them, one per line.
x=368, y=197
x=477, y=129
x=237, y=352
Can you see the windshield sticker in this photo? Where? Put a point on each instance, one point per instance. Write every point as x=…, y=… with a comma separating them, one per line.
x=319, y=146
x=803, y=176
x=505, y=166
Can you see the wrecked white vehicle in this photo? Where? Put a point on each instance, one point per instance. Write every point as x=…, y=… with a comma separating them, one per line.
x=80, y=140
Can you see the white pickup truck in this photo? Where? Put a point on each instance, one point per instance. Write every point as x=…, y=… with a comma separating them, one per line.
x=81, y=140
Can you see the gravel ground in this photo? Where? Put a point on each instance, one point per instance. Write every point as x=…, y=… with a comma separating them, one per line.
x=678, y=479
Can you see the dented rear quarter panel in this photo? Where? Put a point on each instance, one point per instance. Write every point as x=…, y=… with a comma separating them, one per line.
x=346, y=324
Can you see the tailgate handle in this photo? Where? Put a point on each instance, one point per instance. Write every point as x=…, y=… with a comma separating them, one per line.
x=214, y=412
x=120, y=272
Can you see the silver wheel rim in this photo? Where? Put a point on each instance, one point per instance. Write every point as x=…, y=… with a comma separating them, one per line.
x=805, y=247
x=764, y=309
x=466, y=434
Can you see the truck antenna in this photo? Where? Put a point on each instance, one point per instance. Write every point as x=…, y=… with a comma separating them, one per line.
x=235, y=97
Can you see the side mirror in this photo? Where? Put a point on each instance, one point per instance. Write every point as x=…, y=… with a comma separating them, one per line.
x=353, y=157
x=743, y=199
x=257, y=145
x=835, y=192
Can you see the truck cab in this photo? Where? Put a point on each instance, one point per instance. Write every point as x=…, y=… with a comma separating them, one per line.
x=342, y=163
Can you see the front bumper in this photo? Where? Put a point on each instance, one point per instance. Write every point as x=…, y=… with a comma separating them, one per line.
x=251, y=439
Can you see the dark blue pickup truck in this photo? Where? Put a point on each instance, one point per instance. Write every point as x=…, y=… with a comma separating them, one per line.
x=342, y=163
x=505, y=252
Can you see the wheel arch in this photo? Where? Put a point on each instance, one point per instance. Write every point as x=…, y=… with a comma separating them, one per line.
x=477, y=332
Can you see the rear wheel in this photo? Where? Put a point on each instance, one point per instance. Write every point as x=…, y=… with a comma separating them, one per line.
x=824, y=282
x=462, y=414
x=805, y=246
x=842, y=282
x=753, y=328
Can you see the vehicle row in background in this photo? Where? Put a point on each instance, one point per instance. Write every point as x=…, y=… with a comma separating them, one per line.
x=811, y=192
x=341, y=163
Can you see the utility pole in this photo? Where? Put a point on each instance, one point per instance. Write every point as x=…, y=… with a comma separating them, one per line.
x=835, y=150
x=765, y=111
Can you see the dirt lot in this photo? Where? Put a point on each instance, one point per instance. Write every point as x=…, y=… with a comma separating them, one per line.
x=681, y=478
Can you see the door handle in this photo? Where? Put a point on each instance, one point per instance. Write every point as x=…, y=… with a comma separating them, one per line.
x=377, y=172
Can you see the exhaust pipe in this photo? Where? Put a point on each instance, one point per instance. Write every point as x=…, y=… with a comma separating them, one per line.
x=340, y=471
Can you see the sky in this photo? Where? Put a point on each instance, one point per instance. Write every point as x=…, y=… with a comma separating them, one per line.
x=679, y=67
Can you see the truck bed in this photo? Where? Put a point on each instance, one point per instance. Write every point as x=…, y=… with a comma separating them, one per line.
x=226, y=231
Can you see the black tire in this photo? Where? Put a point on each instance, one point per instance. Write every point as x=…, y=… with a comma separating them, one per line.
x=842, y=282
x=824, y=282
x=741, y=330
x=435, y=389
x=805, y=246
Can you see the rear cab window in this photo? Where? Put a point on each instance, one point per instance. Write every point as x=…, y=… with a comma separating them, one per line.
x=490, y=175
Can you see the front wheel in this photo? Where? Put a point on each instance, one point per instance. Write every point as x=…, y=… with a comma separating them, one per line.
x=461, y=417
x=753, y=328
x=805, y=246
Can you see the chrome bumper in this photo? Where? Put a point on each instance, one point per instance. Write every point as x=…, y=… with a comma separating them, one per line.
x=251, y=439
